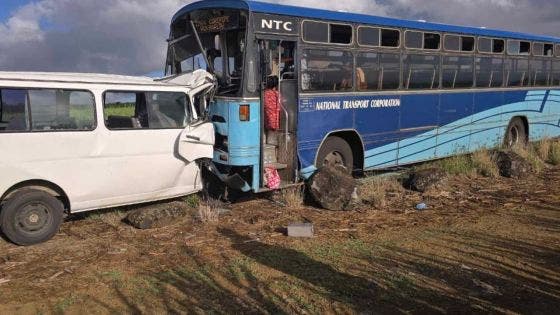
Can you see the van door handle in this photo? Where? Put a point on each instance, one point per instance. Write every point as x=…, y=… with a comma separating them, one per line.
x=193, y=138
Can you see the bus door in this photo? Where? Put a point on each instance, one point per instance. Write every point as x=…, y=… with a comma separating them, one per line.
x=279, y=96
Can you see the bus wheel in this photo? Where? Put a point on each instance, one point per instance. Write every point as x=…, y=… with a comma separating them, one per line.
x=31, y=216
x=336, y=152
x=516, y=133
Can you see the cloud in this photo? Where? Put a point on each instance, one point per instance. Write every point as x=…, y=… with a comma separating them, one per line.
x=128, y=36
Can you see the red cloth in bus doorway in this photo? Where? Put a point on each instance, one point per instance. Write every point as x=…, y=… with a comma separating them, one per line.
x=271, y=109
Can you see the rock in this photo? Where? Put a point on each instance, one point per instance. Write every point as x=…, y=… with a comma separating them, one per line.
x=512, y=165
x=300, y=230
x=423, y=180
x=157, y=216
x=332, y=188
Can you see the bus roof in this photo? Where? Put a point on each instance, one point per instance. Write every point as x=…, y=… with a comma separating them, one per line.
x=270, y=8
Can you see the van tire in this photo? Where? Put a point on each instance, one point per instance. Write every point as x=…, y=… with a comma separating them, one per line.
x=336, y=152
x=516, y=133
x=31, y=217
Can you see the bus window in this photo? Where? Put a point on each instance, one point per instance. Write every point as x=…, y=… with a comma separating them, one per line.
x=540, y=72
x=489, y=72
x=413, y=40
x=557, y=50
x=390, y=38
x=556, y=73
x=420, y=40
x=326, y=70
x=421, y=71
x=13, y=111
x=517, y=72
x=517, y=47
x=340, y=34
x=150, y=110
x=367, y=71
x=457, y=72
x=491, y=45
x=538, y=49
x=390, y=67
x=548, y=50
x=315, y=32
x=458, y=43
x=369, y=36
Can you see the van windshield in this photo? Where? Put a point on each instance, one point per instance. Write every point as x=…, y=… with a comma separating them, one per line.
x=222, y=34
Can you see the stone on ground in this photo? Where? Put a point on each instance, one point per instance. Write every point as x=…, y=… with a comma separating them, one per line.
x=157, y=216
x=332, y=189
x=424, y=180
x=512, y=165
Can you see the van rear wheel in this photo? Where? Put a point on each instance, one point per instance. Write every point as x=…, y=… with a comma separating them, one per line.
x=336, y=152
x=31, y=217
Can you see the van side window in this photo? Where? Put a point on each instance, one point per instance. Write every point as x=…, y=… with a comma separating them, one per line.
x=50, y=110
x=145, y=110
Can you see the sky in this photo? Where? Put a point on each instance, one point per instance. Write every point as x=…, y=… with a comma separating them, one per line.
x=128, y=36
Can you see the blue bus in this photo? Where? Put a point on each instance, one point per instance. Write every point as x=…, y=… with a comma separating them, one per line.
x=300, y=88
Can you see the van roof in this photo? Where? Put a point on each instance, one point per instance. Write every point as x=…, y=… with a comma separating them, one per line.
x=87, y=78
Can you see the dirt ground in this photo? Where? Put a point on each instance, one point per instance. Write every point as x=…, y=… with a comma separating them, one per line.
x=483, y=246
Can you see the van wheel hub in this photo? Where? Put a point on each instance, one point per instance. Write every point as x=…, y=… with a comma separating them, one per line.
x=33, y=217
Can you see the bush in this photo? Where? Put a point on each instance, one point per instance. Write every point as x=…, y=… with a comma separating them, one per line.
x=375, y=190
x=292, y=197
x=554, y=153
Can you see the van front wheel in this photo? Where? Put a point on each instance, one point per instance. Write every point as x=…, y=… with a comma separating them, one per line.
x=31, y=216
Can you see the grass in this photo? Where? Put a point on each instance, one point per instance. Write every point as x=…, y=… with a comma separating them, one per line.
x=292, y=197
x=208, y=212
x=375, y=191
x=530, y=154
x=458, y=165
x=193, y=201
x=548, y=150
x=483, y=161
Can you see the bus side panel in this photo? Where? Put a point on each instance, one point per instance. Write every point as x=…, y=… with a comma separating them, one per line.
x=418, y=127
x=319, y=116
x=487, y=127
x=379, y=130
x=552, y=108
x=455, y=119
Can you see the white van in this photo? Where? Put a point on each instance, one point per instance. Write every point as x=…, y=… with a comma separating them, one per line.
x=78, y=142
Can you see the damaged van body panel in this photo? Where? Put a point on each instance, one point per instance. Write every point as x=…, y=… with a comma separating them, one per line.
x=103, y=141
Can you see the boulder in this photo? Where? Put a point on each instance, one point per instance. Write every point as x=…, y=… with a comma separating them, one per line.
x=424, y=180
x=157, y=216
x=332, y=188
x=512, y=165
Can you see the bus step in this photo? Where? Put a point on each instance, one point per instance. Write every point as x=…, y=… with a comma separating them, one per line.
x=276, y=166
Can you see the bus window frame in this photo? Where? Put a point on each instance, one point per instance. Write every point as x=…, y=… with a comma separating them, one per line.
x=328, y=43
x=30, y=118
x=556, y=50
x=440, y=49
x=469, y=52
x=470, y=55
x=491, y=52
x=380, y=28
x=520, y=41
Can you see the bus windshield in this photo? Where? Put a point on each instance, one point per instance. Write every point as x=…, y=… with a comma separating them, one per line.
x=222, y=35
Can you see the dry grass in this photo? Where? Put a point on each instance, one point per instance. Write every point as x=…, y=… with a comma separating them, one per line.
x=531, y=155
x=485, y=164
x=543, y=149
x=208, y=211
x=292, y=197
x=554, y=153
x=375, y=191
